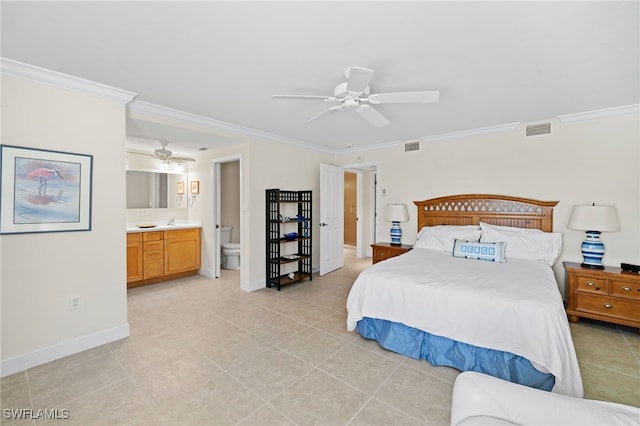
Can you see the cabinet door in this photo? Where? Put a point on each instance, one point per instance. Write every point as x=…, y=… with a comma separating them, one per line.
x=181, y=251
x=134, y=258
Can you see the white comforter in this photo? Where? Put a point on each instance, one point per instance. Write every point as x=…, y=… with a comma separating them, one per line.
x=514, y=307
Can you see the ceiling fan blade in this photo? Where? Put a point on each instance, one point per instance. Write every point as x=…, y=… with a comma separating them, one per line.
x=358, y=79
x=180, y=159
x=141, y=153
x=326, y=111
x=372, y=116
x=324, y=98
x=404, y=97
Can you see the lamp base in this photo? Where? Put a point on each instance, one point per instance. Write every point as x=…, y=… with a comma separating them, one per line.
x=396, y=233
x=592, y=250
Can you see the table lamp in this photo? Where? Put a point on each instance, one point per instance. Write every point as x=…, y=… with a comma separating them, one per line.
x=593, y=220
x=396, y=213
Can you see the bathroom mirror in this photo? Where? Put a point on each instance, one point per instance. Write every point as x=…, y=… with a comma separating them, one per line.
x=155, y=190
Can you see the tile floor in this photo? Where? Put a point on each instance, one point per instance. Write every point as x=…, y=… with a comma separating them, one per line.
x=202, y=351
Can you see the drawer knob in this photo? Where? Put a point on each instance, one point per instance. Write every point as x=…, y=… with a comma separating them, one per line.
x=608, y=305
x=626, y=288
x=590, y=283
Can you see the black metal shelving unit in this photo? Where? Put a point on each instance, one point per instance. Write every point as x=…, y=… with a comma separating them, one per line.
x=288, y=259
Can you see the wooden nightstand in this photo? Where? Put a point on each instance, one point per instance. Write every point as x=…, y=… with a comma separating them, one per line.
x=382, y=251
x=603, y=294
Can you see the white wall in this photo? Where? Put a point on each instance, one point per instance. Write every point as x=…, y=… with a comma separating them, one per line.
x=40, y=271
x=265, y=165
x=579, y=163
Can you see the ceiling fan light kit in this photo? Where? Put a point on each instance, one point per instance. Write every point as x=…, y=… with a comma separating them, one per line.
x=355, y=94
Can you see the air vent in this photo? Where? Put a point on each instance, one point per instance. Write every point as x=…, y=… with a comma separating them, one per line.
x=412, y=146
x=538, y=129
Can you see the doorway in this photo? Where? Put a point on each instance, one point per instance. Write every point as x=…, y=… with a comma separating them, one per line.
x=350, y=209
x=227, y=207
x=363, y=186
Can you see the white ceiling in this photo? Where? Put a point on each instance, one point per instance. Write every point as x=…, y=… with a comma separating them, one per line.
x=493, y=62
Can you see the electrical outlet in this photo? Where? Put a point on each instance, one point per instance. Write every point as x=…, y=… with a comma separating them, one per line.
x=74, y=303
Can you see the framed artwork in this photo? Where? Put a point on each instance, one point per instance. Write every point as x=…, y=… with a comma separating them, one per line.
x=44, y=191
x=195, y=186
x=180, y=188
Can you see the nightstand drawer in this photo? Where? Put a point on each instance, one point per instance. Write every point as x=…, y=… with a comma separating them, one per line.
x=625, y=289
x=592, y=285
x=381, y=253
x=607, y=306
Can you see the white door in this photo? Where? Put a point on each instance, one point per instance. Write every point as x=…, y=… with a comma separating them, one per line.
x=331, y=218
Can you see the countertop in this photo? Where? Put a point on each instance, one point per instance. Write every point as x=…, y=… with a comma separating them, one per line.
x=162, y=226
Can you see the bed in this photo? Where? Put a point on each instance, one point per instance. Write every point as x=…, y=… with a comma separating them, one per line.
x=502, y=319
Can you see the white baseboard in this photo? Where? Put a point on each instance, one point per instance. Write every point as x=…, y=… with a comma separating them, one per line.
x=253, y=286
x=206, y=272
x=70, y=347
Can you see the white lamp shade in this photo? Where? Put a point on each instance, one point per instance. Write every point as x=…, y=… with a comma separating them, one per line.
x=594, y=218
x=396, y=213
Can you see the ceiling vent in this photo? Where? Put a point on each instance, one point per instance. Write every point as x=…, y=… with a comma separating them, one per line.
x=539, y=129
x=412, y=146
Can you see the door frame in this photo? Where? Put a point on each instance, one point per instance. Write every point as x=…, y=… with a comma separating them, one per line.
x=216, y=253
x=373, y=168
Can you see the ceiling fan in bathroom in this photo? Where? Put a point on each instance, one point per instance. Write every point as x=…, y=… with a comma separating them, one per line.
x=166, y=156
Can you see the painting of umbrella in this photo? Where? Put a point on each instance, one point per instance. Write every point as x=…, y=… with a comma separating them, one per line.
x=44, y=191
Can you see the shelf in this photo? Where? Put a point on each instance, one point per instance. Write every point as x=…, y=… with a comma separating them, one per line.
x=284, y=260
x=288, y=212
x=299, y=276
x=288, y=240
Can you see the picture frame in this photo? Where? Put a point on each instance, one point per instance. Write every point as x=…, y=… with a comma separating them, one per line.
x=195, y=186
x=180, y=188
x=44, y=190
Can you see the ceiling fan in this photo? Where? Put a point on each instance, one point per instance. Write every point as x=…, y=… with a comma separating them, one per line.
x=167, y=156
x=354, y=94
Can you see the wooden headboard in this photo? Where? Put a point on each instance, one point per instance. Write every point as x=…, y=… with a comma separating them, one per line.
x=471, y=209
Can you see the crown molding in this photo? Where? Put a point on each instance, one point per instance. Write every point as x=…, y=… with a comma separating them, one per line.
x=503, y=128
x=600, y=113
x=137, y=106
x=64, y=81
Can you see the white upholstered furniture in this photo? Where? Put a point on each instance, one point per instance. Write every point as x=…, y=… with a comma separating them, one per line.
x=479, y=399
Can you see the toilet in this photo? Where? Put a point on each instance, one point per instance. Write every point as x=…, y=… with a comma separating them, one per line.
x=230, y=251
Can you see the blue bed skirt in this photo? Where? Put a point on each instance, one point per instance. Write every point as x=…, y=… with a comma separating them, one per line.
x=439, y=350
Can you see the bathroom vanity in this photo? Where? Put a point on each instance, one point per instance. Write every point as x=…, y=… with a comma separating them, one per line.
x=162, y=252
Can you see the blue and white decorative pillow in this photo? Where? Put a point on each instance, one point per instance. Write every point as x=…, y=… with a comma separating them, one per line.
x=492, y=252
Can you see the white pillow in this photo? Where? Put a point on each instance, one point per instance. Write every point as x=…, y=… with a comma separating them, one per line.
x=527, y=244
x=441, y=237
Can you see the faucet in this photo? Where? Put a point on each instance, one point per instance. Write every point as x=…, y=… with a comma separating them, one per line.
x=172, y=221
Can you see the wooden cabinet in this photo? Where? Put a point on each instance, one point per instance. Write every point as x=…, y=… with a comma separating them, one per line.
x=154, y=256
x=288, y=258
x=134, y=257
x=382, y=251
x=181, y=251
x=603, y=294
